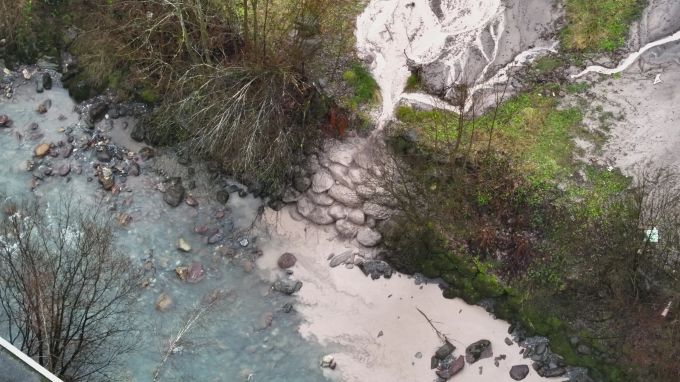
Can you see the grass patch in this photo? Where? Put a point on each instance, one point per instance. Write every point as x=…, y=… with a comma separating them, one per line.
x=599, y=26
x=364, y=86
x=577, y=87
x=547, y=64
x=529, y=127
x=413, y=83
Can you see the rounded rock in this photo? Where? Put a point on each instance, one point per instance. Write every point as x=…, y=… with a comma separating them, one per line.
x=287, y=260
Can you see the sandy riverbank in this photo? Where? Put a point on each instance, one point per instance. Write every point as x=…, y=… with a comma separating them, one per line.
x=344, y=308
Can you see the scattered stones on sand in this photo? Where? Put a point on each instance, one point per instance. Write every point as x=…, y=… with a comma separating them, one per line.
x=478, y=350
x=183, y=245
x=286, y=260
x=163, y=302
x=41, y=150
x=519, y=372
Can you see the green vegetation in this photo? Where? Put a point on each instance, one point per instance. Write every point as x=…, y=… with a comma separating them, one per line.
x=600, y=26
x=508, y=214
x=413, y=83
x=547, y=64
x=366, y=90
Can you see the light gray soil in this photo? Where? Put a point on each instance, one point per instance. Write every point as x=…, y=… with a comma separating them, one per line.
x=643, y=117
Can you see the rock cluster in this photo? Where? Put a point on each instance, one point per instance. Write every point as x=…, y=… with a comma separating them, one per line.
x=445, y=363
x=341, y=186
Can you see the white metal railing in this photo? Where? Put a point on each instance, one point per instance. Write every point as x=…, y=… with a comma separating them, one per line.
x=28, y=361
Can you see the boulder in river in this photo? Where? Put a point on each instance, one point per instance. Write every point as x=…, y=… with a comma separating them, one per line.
x=196, y=272
x=106, y=178
x=182, y=273
x=174, y=192
x=376, y=268
x=163, y=302
x=287, y=286
x=328, y=362
x=183, y=245
x=519, y=372
x=4, y=120
x=478, y=350
x=41, y=150
x=44, y=106
x=286, y=260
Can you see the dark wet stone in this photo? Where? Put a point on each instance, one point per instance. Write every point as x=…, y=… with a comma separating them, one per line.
x=5, y=121
x=103, y=155
x=453, y=368
x=46, y=81
x=133, y=169
x=44, y=106
x=287, y=307
x=519, y=372
x=64, y=169
x=222, y=196
x=66, y=150
x=242, y=193
x=508, y=341
x=32, y=126
x=478, y=350
x=287, y=286
x=191, y=201
x=147, y=153
x=174, y=192
x=215, y=238
x=376, y=268
x=286, y=260
x=444, y=350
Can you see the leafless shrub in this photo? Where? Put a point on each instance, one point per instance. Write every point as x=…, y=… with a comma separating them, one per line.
x=65, y=292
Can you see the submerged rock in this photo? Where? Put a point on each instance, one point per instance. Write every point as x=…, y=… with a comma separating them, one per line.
x=5, y=121
x=519, y=372
x=444, y=350
x=286, y=260
x=174, y=192
x=478, y=350
x=163, y=302
x=44, y=106
x=287, y=286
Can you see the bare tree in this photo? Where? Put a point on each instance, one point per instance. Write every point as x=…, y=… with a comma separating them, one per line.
x=65, y=292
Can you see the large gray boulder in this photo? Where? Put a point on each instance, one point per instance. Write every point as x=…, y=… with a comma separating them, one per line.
x=519, y=372
x=322, y=181
x=478, y=350
x=345, y=195
x=368, y=237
